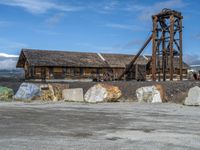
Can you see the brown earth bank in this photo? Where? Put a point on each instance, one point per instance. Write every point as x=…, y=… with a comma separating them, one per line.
x=176, y=91
x=11, y=82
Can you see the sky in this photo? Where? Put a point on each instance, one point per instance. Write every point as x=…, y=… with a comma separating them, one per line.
x=107, y=26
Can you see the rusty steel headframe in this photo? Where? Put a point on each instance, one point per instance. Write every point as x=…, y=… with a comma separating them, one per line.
x=166, y=43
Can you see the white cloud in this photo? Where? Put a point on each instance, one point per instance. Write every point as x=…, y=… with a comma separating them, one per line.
x=7, y=55
x=8, y=64
x=104, y=6
x=39, y=6
x=145, y=12
x=110, y=5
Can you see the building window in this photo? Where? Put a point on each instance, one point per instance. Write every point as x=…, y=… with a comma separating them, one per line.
x=58, y=73
x=64, y=70
x=37, y=72
x=81, y=71
x=76, y=71
x=68, y=71
x=57, y=70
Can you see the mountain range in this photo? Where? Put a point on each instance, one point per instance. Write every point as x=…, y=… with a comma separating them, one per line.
x=8, y=66
x=8, y=62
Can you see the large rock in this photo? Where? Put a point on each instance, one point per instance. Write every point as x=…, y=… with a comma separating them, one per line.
x=162, y=92
x=6, y=93
x=52, y=92
x=47, y=93
x=193, y=98
x=102, y=93
x=149, y=94
x=27, y=91
x=58, y=88
x=75, y=95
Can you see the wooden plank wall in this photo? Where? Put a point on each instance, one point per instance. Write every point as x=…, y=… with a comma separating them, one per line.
x=138, y=72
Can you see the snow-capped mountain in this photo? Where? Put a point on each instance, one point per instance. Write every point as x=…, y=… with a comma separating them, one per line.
x=8, y=66
x=8, y=62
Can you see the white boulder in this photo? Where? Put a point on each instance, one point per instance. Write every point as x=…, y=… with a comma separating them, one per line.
x=75, y=95
x=102, y=93
x=27, y=91
x=149, y=94
x=193, y=98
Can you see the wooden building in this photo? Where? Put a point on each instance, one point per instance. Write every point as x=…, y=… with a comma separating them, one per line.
x=66, y=65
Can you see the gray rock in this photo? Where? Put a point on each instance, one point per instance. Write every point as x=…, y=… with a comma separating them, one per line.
x=27, y=91
x=75, y=95
x=193, y=98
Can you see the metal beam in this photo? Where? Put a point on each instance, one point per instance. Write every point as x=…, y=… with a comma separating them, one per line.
x=135, y=58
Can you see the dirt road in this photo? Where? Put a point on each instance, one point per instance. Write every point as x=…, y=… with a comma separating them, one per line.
x=98, y=126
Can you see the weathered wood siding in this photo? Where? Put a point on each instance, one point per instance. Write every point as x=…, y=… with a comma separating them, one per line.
x=69, y=73
x=139, y=72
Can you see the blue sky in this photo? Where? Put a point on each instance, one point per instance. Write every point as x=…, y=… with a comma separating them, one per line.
x=113, y=26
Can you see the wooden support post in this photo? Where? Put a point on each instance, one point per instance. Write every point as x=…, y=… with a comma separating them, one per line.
x=154, y=47
x=166, y=25
x=158, y=56
x=163, y=56
x=171, y=68
x=181, y=50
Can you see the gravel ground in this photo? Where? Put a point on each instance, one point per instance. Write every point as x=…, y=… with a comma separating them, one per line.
x=75, y=126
